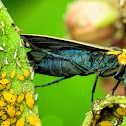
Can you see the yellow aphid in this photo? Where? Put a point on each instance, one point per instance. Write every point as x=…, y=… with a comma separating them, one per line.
x=8, y=86
x=10, y=110
x=0, y=94
x=2, y=86
x=29, y=99
x=94, y=122
x=20, y=122
x=12, y=74
x=97, y=116
x=20, y=77
x=117, y=114
x=26, y=73
x=110, y=106
x=8, y=119
x=4, y=117
x=33, y=120
x=4, y=74
x=18, y=113
x=2, y=98
x=17, y=104
x=21, y=108
x=13, y=93
x=20, y=98
x=12, y=120
x=105, y=123
x=9, y=97
x=5, y=123
x=121, y=111
x=2, y=103
x=2, y=112
x=4, y=81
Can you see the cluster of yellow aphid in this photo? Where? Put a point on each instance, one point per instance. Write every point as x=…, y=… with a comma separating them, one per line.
x=117, y=111
x=11, y=106
x=5, y=82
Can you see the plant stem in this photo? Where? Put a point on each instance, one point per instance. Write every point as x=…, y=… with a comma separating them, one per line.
x=13, y=57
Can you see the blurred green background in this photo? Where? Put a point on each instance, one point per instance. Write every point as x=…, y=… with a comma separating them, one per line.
x=65, y=103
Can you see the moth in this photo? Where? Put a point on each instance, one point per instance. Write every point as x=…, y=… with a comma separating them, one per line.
x=67, y=58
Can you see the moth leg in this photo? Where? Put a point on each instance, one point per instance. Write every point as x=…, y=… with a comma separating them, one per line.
x=113, y=90
x=93, y=90
x=120, y=72
x=50, y=83
x=120, y=78
x=108, y=75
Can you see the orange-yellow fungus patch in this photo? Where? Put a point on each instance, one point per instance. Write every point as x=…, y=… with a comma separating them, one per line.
x=29, y=99
x=20, y=122
x=12, y=74
x=105, y=123
x=121, y=111
x=20, y=77
x=4, y=81
x=33, y=120
x=26, y=73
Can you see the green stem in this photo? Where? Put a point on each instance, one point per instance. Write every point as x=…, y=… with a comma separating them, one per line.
x=13, y=57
